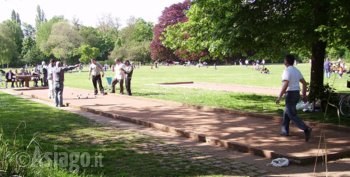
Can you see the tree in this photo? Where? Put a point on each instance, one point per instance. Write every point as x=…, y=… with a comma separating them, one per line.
x=108, y=30
x=87, y=53
x=63, y=41
x=28, y=30
x=170, y=16
x=43, y=33
x=7, y=45
x=134, y=40
x=267, y=28
x=40, y=17
x=15, y=17
x=143, y=30
x=12, y=31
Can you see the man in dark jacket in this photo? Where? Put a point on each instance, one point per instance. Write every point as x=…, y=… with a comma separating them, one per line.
x=10, y=77
x=58, y=80
x=43, y=71
x=128, y=69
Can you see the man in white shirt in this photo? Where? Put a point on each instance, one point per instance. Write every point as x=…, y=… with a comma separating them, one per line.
x=119, y=76
x=50, y=68
x=290, y=80
x=95, y=70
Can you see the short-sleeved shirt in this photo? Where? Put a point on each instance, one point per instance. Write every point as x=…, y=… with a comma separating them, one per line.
x=119, y=73
x=293, y=75
x=95, y=69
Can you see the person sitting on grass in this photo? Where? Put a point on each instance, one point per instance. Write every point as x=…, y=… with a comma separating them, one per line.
x=265, y=71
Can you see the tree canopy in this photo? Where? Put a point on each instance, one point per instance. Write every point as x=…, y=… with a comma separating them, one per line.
x=170, y=16
x=266, y=29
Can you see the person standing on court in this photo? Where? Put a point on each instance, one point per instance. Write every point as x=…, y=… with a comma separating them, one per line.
x=95, y=70
x=291, y=89
x=128, y=69
x=43, y=71
x=50, y=68
x=119, y=76
x=58, y=79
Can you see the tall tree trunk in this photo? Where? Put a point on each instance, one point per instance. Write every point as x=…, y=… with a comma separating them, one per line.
x=317, y=59
x=318, y=47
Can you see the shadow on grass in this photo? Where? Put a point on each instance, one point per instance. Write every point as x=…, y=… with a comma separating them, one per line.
x=60, y=131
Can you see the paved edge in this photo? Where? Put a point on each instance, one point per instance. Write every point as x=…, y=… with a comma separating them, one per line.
x=218, y=142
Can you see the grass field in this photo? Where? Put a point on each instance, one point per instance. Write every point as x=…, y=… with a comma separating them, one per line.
x=57, y=131
x=223, y=74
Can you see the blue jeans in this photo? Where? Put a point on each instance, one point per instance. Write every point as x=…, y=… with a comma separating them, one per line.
x=290, y=112
x=58, y=94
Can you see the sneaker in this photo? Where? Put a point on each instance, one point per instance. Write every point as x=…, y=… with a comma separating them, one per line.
x=307, y=134
x=284, y=134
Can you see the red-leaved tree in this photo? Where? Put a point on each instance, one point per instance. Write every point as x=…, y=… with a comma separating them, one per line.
x=170, y=16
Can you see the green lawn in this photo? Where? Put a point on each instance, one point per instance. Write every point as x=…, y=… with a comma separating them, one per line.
x=223, y=74
x=53, y=130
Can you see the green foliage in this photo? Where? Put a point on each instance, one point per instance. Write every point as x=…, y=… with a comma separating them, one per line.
x=63, y=41
x=324, y=93
x=10, y=41
x=43, y=33
x=40, y=17
x=134, y=41
x=143, y=30
x=87, y=53
x=136, y=51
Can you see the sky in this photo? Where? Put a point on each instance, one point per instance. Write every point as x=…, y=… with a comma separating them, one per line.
x=87, y=11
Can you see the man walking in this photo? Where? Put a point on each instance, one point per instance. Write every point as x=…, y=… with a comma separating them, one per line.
x=95, y=70
x=58, y=79
x=128, y=71
x=119, y=76
x=290, y=79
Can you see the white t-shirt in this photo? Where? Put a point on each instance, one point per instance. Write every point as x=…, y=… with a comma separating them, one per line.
x=293, y=75
x=119, y=73
x=95, y=69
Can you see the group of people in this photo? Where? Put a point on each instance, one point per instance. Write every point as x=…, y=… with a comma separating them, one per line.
x=16, y=79
x=123, y=74
x=334, y=67
x=54, y=74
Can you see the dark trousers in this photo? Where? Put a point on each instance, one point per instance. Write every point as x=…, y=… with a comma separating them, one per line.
x=58, y=94
x=128, y=85
x=44, y=81
x=290, y=112
x=121, y=84
x=95, y=80
x=12, y=82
